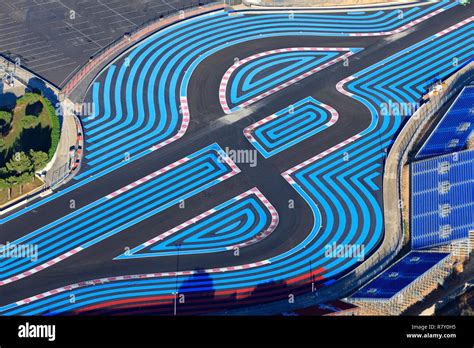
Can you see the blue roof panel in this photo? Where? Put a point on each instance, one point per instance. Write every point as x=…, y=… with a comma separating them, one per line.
x=454, y=128
x=399, y=275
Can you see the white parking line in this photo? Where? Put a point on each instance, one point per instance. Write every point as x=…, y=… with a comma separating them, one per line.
x=69, y=8
x=140, y=16
x=37, y=4
x=58, y=66
x=49, y=56
x=86, y=36
x=119, y=21
x=48, y=63
x=91, y=35
x=100, y=2
x=30, y=52
x=112, y=16
x=92, y=49
x=14, y=38
x=124, y=13
x=98, y=12
x=76, y=23
x=93, y=6
x=120, y=7
x=124, y=25
x=20, y=45
x=10, y=24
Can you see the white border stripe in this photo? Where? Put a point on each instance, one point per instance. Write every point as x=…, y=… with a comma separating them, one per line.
x=226, y=78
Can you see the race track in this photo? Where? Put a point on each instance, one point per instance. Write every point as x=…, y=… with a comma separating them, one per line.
x=165, y=203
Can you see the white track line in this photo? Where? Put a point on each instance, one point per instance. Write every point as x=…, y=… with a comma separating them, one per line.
x=226, y=78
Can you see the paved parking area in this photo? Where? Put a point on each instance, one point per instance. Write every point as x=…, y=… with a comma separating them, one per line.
x=54, y=38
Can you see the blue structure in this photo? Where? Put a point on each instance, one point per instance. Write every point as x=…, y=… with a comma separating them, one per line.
x=442, y=199
x=399, y=275
x=454, y=128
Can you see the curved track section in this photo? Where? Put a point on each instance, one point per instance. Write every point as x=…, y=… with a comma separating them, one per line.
x=258, y=76
x=341, y=185
x=141, y=99
x=237, y=223
x=119, y=210
x=288, y=127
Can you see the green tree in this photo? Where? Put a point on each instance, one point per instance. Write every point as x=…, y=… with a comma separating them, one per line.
x=55, y=127
x=5, y=120
x=29, y=121
x=20, y=163
x=22, y=179
x=39, y=159
x=28, y=98
x=19, y=180
x=5, y=184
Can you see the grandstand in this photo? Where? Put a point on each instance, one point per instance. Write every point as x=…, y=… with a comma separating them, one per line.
x=442, y=199
x=403, y=284
x=442, y=216
x=453, y=130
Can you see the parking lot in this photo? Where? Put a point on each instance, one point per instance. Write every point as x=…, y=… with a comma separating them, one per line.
x=54, y=38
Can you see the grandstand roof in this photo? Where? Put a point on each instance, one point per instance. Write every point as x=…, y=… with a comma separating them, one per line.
x=398, y=276
x=442, y=199
x=453, y=130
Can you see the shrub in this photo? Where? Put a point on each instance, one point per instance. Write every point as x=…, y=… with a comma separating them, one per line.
x=5, y=120
x=20, y=163
x=28, y=98
x=29, y=121
x=5, y=116
x=39, y=159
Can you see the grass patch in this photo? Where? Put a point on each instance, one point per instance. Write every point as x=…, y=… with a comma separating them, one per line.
x=55, y=127
x=41, y=137
x=29, y=139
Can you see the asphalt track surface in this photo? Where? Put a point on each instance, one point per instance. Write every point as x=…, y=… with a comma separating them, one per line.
x=340, y=221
